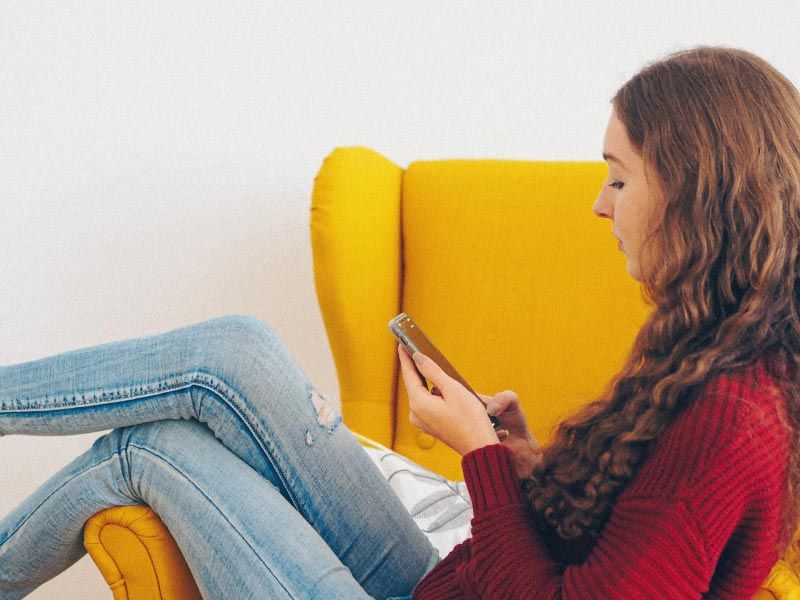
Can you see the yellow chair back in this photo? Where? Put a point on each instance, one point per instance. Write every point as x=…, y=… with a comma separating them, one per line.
x=502, y=264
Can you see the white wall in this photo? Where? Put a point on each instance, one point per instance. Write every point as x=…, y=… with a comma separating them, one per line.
x=157, y=158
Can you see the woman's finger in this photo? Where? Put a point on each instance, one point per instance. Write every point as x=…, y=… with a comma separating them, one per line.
x=411, y=378
x=500, y=402
x=503, y=402
x=508, y=399
x=435, y=374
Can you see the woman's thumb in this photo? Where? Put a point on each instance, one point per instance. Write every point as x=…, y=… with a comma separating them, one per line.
x=497, y=404
x=500, y=402
x=429, y=369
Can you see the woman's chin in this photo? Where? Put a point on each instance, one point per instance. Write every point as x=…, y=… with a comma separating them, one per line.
x=633, y=269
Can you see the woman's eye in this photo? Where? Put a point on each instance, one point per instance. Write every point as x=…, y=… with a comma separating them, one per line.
x=617, y=185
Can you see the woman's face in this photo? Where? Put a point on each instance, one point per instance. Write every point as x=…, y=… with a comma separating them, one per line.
x=626, y=197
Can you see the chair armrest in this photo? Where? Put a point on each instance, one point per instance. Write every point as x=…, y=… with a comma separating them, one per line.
x=137, y=555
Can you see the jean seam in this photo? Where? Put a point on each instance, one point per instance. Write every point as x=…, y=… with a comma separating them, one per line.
x=70, y=480
x=172, y=383
x=219, y=386
x=211, y=502
x=127, y=393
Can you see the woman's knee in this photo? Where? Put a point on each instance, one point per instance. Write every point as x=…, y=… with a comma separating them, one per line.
x=243, y=328
x=227, y=343
x=241, y=365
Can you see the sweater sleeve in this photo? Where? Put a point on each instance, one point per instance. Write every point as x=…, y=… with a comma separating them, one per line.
x=650, y=547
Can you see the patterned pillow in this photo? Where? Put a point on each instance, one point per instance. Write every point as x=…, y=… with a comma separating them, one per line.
x=441, y=508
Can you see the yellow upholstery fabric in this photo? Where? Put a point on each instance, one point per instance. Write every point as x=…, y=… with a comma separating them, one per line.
x=355, y=238
x=502, y=264
x=137, y=556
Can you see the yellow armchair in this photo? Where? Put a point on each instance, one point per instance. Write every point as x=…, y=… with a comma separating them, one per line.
x=500, y=261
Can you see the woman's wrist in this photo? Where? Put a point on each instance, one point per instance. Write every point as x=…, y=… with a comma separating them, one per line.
x=480, y=442
x=491, y=478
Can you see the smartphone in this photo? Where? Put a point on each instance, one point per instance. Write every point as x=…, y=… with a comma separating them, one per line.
x=413, y=339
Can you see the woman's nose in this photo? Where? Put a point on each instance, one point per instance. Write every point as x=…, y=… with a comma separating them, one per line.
x=600, y=208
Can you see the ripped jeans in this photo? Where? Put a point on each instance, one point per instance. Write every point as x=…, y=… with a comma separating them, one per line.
x=266, y=491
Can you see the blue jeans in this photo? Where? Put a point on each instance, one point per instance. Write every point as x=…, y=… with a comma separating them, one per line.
x=266, y=491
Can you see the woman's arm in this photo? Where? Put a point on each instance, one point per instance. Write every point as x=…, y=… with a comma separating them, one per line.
x=650, y=547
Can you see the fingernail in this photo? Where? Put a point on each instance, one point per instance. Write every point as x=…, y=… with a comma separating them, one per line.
x=419, y=357
x=493, y=408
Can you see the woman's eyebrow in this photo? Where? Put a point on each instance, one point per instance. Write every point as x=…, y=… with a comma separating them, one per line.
x=607, y=156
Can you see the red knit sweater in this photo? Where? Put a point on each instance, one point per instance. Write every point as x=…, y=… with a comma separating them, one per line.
x=703, y=515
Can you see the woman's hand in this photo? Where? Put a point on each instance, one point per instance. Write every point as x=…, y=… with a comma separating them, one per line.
x=456, y=417
x=513, y=431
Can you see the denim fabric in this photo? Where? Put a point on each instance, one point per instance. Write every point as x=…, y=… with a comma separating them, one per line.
x=266, y=491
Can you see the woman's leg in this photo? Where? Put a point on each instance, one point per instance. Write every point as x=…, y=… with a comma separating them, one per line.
x=234, y=374
x=239, y=535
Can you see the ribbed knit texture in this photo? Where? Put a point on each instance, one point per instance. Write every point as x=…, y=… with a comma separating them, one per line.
x=703, y=516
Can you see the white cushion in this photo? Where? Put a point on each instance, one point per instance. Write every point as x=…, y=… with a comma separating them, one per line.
x=441, y=508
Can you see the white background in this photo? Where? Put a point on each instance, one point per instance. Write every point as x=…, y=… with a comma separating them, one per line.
x=157, y=158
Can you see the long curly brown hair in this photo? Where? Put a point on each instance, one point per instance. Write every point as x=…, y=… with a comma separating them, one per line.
x=720, y=129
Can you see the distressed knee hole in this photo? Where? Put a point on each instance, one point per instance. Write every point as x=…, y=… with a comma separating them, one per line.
x=326, y=416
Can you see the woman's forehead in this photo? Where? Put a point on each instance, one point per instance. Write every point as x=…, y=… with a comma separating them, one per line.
x=617, y=147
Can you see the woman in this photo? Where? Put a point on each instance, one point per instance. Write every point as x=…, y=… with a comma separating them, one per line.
x=680, y=481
